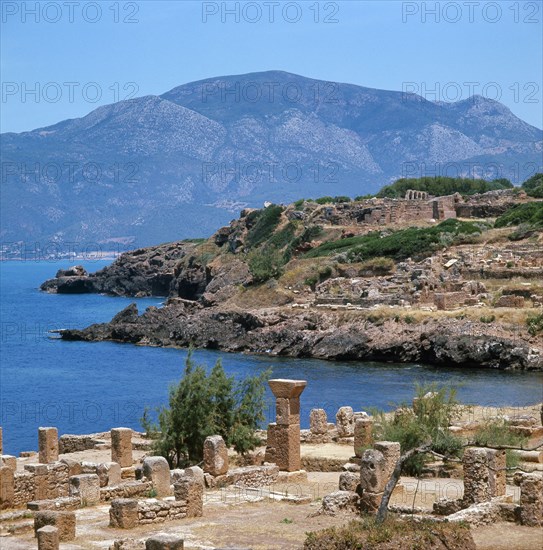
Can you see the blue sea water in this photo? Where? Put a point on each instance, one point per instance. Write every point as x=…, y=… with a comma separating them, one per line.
x=90, y=387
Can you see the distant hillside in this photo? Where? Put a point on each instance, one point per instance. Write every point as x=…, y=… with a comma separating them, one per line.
x=160, y=168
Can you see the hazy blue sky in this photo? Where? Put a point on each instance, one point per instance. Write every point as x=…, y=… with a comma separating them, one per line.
x=119, y=49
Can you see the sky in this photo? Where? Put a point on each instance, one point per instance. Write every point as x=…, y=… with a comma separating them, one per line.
x=63, y=59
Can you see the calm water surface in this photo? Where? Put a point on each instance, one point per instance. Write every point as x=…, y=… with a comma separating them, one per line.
x=89, y=387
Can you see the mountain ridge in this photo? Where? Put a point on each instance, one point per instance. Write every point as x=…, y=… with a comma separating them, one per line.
x=164, y=167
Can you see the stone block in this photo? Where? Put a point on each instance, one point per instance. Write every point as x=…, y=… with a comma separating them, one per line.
x=287, y=447
x=373, y=471
x=476, y=478
x=215, y=456
x=191, y=491
x=287, y=388
x=121, y=447
x=318, y=422
x=86, y=487
x=369, y=502
x=391, y=452
x=63, y=521
x=9, y=461
x=48, y=538
x=196, y=473
x=363, y=437
x=345, y=422
x=157, y=471
x=7, y=488
x=48, y=445
x=340, y=501
x=109, y=473
x=287, y=410
x=531, y=500
x=348, y=481
x=164, y=542
x=123, y=513
x=74, y=466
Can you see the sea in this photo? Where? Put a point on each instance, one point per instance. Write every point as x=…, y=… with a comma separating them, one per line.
x=92, y=387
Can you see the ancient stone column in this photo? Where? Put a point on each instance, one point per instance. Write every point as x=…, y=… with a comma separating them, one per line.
x=157, y=471
x=345, y=422
x=164, y=542
x=121, y=446
x=373, y=479
x=109, y=473
x=476, y=482
x=496, y=472
x=318, y=422
x=191, y=491
x=48, y=538
x=363, y=428
x=87, y=488
x=123, y=513
x=48, y=445
x=531, y=500
x=9, y=461
x=215, y=456
x=287, y=431
x=7, y=488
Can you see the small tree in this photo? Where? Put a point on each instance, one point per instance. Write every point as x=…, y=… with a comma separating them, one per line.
x=201, y=405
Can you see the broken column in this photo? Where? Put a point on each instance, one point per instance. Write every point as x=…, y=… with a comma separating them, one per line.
x=215, y=456
x=287, y=431
x=109, y=473
x=123, y=513
x=48, y=445
x=86, y=487
x=391, y=452
x=476, y=479
x=345, y=422
x=373, y=479
x=318, y=422
x=363, y=428
x=63, y=521
x=531, y=500
x=496, y=472
x=164, y=542
x=121, y=446
x=157, y=471
x=190, y=490
x=7, y=488
x=48, y=538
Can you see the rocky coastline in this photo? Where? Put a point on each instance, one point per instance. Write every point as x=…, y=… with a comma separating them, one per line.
x=441, y=309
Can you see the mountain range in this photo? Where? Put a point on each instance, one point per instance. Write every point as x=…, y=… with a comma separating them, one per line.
x=160, y=168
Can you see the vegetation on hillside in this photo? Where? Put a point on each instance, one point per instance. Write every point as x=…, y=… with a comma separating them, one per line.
x=534, y=186
x=414, y=242
x=203, y=404
x=441, y=185
x=529, y=213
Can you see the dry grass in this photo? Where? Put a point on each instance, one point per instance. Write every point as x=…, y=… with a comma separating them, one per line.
x=261, y=296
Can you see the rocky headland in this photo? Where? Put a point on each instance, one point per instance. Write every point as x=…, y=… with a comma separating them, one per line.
x=438, y=280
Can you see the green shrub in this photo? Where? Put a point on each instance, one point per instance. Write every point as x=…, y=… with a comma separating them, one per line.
x=428, y=423
x=413, y=242
x=494, y=433
x=534, y=186
x=332, y=200
x=441, y=185
x=535, y=324
x=487, y=318
x=265, y=222
x=266, y=263
x=299, y=203
x=377, y=266
x=528, y=213
x=204, y=404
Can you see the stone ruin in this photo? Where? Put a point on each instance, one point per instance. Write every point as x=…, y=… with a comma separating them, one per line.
x=412, y=195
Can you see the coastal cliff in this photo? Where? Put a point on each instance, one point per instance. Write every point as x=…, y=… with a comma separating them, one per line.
x=375, y=279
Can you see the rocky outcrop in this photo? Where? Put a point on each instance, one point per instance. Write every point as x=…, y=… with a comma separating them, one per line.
x=325, y=335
